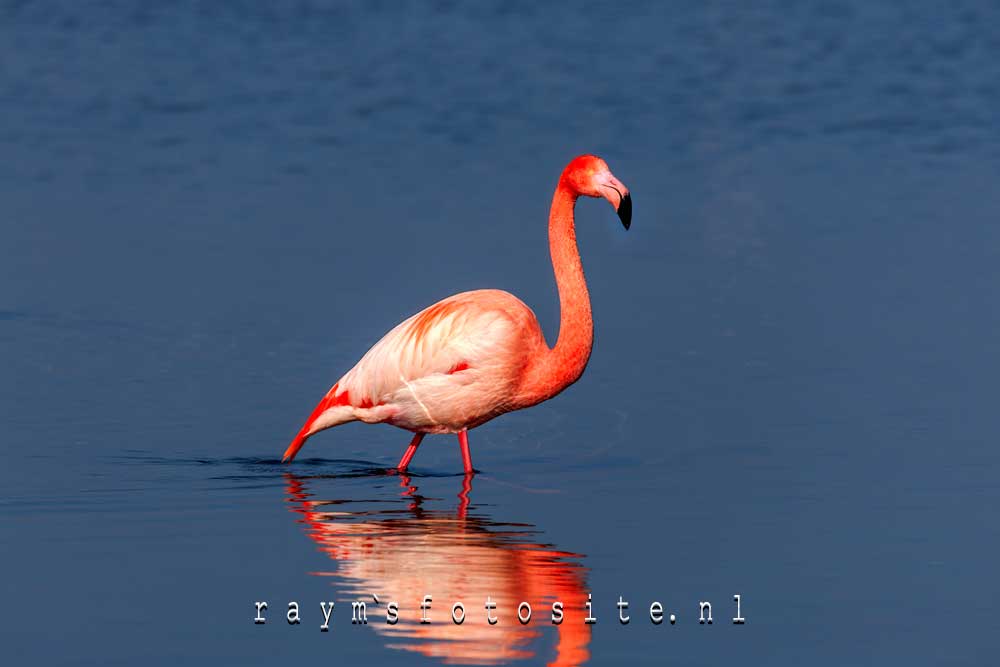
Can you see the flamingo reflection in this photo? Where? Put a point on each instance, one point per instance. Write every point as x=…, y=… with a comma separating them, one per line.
x=402, y=552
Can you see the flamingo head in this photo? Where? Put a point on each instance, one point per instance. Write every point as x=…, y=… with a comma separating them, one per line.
x=589, y=175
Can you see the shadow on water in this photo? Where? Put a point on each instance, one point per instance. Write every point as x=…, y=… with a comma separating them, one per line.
x=400, y=549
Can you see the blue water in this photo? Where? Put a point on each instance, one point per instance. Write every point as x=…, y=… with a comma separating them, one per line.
x=211, y=210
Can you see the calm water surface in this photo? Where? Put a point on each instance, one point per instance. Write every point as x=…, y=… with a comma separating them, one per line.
x=211, y=210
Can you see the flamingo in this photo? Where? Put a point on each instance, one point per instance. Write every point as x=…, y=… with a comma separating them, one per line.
x=477, y=355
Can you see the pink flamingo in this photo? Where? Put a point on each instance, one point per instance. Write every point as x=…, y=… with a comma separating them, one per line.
x=476, y=355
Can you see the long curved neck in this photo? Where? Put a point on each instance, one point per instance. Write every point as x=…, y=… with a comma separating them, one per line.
x=564, y=363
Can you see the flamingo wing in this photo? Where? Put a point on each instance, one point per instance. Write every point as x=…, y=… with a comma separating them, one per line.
x=444, y=338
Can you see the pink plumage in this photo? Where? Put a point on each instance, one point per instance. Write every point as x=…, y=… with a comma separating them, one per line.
x=476, y=355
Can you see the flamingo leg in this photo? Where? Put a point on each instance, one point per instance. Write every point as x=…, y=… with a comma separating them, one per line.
x=463, y=439
x=410, y=451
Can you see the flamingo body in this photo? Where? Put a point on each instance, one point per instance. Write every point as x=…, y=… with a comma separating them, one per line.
x=475, y=355
x=452, y=366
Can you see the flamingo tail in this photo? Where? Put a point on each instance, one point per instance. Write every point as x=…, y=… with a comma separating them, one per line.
x=332, y=411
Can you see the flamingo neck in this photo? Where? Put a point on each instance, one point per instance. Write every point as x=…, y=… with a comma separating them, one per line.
x=562, y=365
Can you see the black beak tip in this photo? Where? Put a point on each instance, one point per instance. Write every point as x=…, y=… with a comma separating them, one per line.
x=625, y=210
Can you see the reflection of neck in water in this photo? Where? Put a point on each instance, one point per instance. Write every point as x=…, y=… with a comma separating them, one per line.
x=402, y=554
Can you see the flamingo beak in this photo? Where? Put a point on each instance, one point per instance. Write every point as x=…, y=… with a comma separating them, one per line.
x=618, y=195
x=625, y=210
